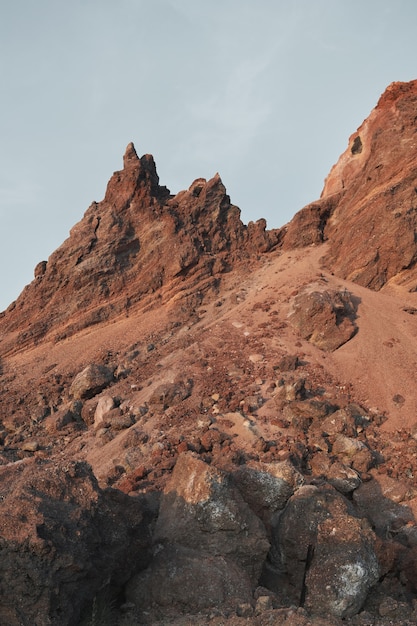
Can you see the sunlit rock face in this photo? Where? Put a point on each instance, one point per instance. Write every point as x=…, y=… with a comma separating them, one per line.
x=368, y=208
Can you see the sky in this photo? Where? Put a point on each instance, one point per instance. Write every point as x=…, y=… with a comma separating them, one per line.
x=264, y=92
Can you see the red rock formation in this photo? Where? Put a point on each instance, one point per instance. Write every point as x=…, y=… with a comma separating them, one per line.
x=368, y=207
x=136, y=240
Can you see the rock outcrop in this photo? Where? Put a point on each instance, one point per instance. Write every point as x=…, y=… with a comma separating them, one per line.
x=368, y=204
x=136, y=240
x=63, y=540
x=323, y=555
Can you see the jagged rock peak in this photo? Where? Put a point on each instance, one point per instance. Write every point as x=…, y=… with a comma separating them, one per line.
x=134, y=242
x=130, y=157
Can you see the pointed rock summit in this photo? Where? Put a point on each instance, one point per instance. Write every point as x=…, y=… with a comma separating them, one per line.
x=140, y=239
x=130, y=158
x=137, y=241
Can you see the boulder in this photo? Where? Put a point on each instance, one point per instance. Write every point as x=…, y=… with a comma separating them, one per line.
x=344, y=567
x=189, y=580
x=322, y=555
x=352, y=452
x=90, y=381
x=62, y=540
x=202, y=509
x=266, y=487
x=343, y=478
x=170, y=394
x=104, y=405
x=324, y=318
x=383, y=501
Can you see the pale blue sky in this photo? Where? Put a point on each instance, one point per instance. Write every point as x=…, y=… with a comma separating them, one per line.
x=265, y=92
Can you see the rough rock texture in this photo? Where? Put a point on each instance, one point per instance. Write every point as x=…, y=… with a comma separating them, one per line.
x=369, y=199
x=323, y=556
x=203, y=422
x=189, y=580
x=62, y=540
x=137, y=239
x=324, y=318
x=267, y=487
x=201, y=509
x=90, y=381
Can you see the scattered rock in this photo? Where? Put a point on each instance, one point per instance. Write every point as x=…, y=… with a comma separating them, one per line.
x=88, y=383
x=343, y=478
x=104, y=405
x=170, y=394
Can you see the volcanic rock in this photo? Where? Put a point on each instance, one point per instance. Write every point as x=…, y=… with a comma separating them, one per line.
x=368, y=203
x=189, y=580
x=90, y=381
x=324, y=318
x=202, y=510
x=326, y=552
x=267, y=487
x=62, y=540
x=130, y=244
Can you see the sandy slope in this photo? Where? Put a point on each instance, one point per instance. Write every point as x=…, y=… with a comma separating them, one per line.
x=378, y=364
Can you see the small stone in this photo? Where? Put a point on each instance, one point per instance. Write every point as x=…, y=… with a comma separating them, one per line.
x=256, y=358
x=105, y=404
x=244, y=610
x=388, y=606
x=30, y=446
x=263, y=603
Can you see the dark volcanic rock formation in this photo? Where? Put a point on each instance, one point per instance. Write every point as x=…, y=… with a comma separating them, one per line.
x=61, y=540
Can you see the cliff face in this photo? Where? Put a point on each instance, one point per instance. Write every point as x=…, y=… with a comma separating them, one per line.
x=368, y=208
x=206, y=422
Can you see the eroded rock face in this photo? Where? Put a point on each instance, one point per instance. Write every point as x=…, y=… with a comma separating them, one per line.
x=62, y=540
x=137, y=239
x=369, y=199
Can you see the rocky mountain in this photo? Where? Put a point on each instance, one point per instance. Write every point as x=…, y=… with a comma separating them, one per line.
x=204, y=422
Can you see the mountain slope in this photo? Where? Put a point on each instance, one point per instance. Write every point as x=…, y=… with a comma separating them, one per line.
x=200, y=416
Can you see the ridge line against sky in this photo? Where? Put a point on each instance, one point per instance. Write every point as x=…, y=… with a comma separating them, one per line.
x=266, y=92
